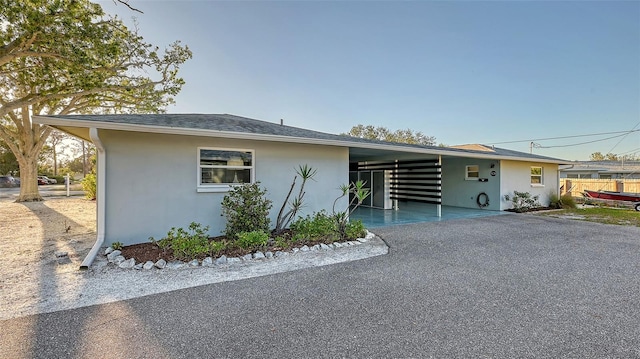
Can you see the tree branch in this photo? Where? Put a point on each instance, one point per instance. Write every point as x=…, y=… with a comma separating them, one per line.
x=126, y=3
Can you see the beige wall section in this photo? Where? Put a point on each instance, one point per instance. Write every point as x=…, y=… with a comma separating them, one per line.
x=516, y=176
x=151, y=181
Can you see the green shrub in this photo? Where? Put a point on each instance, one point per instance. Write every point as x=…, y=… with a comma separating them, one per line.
x=59, y=179
x=253, y=240
x=355, y=229
x=216, y=247
x=320, y=226
x=186, y=245
x=246, y=210
x=523, y=201
x=89, y=186
x=116, y=245
x=341, y=218
x=566, y=201
x=282, y=242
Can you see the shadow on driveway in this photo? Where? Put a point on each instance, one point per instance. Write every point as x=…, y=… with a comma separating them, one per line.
x=504, y=286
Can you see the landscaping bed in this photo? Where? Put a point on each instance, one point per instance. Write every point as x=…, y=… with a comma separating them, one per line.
x=143, y=252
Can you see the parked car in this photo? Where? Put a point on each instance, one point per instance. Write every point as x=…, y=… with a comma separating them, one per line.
x=8, y=181
x=45, y=180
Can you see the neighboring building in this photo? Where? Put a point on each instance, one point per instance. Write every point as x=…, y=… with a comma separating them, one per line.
x=601, y=170
x=164, y=170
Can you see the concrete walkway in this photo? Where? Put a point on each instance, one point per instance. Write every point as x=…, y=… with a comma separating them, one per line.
x=500, y=287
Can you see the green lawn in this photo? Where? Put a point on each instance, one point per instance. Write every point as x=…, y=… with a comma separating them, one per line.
x=626, y=217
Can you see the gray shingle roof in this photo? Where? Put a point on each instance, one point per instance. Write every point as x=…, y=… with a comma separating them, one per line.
x=238, y=124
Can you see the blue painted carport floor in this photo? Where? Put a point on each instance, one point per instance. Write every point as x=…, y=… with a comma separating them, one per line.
x=416, y=213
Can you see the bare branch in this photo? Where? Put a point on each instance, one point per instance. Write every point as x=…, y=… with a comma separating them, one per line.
x=126, y=3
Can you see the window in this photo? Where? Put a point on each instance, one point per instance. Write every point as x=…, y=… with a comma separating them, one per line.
x=220, y=168
x=472, y=173
x=536, y=175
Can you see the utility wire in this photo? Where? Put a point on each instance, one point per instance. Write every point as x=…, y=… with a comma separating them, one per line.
x=616, y=145
x=584, y=143
x=574, y=136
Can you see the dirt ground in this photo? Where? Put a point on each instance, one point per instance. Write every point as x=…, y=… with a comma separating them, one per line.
x=31, y=234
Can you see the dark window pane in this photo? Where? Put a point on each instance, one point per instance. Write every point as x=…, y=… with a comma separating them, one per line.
x=223, y=175
x=225, y=158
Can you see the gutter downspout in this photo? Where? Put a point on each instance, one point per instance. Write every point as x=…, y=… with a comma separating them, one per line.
x=100, y=199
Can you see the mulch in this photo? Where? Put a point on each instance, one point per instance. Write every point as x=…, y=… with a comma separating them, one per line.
x=143, y=252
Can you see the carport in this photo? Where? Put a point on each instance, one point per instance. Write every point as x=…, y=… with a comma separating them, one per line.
x=407, y=187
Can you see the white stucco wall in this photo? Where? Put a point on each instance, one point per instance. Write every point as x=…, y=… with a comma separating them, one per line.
x=458, y=192
x=151, y=181
x=516, y=176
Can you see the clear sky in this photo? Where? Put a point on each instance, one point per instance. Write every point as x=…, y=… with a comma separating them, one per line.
x=462, y=71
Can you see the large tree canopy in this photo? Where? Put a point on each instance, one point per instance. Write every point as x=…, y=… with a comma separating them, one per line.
x=67, y=56
x=384, y=134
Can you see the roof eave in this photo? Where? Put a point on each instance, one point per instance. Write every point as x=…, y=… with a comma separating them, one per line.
x=62, y=122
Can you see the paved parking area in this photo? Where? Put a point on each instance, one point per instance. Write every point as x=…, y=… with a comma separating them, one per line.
x=501, y=287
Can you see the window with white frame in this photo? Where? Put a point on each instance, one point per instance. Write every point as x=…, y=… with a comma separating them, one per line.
x=472, y=173
x=220, y=167
x=536, y=175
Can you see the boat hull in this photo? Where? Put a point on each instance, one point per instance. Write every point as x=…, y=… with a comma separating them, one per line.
x=617, y=196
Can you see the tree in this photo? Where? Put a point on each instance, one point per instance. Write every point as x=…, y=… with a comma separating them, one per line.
x=54, y=141
x=60, y=57
x=384, y=134
x=611, y=157
x=598, y=156
x=8, y=161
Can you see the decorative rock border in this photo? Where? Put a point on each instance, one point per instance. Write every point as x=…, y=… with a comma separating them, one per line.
x=115, y=257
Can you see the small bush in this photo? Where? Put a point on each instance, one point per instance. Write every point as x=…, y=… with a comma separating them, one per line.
x=282, y=242
x=523, y=201
x=253, y=240
x=566, y=201
x=217, y=247
x=116, y=245
x=186, y=245
x=246, y=209
x=89, y=186
x=320, y=226
x=355, y=229
x=59, y=179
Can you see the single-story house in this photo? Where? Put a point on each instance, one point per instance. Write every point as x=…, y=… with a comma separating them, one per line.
x=601, y=170
x=158, y=171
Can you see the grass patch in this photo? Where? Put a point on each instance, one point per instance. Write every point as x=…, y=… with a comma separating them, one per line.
x=623, y=217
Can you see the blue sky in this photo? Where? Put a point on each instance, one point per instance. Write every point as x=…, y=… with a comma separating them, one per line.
x=464, y=71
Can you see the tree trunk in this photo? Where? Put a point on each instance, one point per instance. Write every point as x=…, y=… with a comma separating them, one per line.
x=55, y=162
x=84, y=160
x=25, y=139
x=28, y=180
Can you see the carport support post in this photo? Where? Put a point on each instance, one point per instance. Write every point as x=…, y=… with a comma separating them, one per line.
x=439, y=206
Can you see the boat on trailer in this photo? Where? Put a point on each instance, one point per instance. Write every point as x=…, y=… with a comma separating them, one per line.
x=616, y=196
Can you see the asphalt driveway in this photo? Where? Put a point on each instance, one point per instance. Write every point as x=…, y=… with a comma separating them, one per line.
x=501, y=287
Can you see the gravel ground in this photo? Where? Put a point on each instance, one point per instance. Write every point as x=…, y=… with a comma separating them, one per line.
x=33, y=280
x=31, y=235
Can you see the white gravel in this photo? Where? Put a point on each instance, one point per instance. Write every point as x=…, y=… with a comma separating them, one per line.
x=33, y=280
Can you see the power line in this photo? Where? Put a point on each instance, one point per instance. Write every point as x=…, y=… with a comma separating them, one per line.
x=584, y=143
x=574, y=136
x=616, y=145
